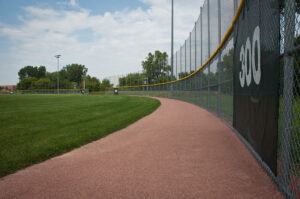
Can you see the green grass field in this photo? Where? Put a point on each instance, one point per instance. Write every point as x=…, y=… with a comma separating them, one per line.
x=37, y=127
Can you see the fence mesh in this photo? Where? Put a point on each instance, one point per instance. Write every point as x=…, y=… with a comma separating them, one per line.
x=289, y=107
x=211, y=87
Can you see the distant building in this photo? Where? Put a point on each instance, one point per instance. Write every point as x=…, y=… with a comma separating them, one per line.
x=8, y=87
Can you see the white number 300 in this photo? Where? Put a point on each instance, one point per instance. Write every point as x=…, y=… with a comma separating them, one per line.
x=248, y=60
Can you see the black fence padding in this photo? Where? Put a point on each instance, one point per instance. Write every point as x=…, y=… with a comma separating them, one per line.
x=257, y=34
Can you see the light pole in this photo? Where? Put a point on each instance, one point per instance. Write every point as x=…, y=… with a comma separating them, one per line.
x=57, y=57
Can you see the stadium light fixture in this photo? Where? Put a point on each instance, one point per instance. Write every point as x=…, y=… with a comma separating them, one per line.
x=57, y=57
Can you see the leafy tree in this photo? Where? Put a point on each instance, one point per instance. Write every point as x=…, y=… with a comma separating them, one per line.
x=122, y=81
x=183, y=74
x=92, y=83
x=133, y=79
x=74, y=72
x=26, y=83
x=165, y=78
x=105, y=85
x=226, y=70
x=25, y=72
x=30, y=71
x=226, y=66
x=156, y=66
x=53, y=79
x=41, y=72
x=70, y=77
x=42, y=83
x=281, y=6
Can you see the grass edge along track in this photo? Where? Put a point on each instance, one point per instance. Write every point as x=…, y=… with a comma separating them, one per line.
x=35, y=128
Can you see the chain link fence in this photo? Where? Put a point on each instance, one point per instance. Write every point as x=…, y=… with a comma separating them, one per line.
x=203, y=75
x=289, y=103
x=205, y=80
x=53, y=91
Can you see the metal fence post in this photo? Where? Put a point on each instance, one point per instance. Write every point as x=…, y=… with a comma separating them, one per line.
x=288, y=81
x=219, y=59
x=201, y=49
x=195, y=46
x=190, y=52
x=185, y=64
x=196, y=80
x=201, y=37
x=235, y=5
x=181, y=67
x=172, y=39
x=176, y=66
x=208, y=49
x=232, y=87
x=190, y=60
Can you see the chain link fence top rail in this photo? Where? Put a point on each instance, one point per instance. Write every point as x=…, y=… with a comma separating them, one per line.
x=203, y=75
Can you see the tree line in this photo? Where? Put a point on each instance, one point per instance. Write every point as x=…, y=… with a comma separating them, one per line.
x=72, y=76
x=155, y=70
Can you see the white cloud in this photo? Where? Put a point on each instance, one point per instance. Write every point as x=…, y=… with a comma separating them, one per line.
x=73, y=2
x=108, y=44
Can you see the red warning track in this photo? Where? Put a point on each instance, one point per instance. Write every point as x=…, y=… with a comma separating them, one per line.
x=179, y=151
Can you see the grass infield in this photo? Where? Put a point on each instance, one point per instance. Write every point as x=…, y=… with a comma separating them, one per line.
x=34, y=128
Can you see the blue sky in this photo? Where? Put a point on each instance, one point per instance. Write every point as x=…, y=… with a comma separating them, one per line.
x=110, y=37
x=9, y=10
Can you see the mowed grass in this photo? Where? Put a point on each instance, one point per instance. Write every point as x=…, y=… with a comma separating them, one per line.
x=37, y=127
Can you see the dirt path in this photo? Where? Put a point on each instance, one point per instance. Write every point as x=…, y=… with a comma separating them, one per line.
x=179, y=151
